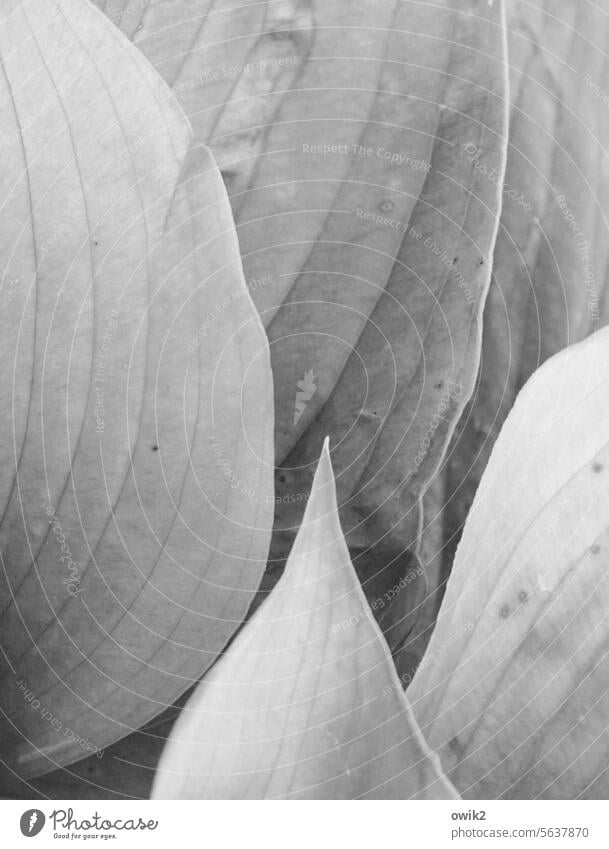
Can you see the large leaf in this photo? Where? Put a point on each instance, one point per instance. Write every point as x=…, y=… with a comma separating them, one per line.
x=137, y=441
x=306, y=702
x=551, y=262
x=513, y=690
x=366, y=233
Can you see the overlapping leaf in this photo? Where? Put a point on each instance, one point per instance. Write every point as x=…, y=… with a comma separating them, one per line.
x=366, y=232
x=306, y=702
x=513, y=691
x=550, y=263
x=137, y=436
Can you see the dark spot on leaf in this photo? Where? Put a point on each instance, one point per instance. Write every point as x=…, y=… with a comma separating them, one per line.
x=456, y=746
x=155, y=447
x=439, y=385
x=481, y=262
x=96, y=243
x=523, y=596
x=281, y=478
x=504, y=612
x=280, y=34
x=597, y=467
x=455, y=260
x=386, y=206
x=595, y=548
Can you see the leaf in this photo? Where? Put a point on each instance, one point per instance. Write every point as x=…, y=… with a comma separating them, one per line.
x=550, y=262
x=366, y=234
x=137, y=448
x=305, y=703
x=124, y=770
x=513, y=689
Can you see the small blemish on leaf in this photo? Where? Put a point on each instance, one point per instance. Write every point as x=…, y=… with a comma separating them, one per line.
x=456, y=746
x=595, y=548
x=155, y=447
x=386, y=206
x=504, y=612
x=523, y=596
x=280, y=34
x=597, y=467
x=281, y=478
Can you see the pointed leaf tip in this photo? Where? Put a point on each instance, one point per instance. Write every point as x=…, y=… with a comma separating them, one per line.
x=306, y=702
x=322, y=499
x=320, y=544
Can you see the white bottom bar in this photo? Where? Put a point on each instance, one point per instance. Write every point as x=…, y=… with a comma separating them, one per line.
x=306, y=825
